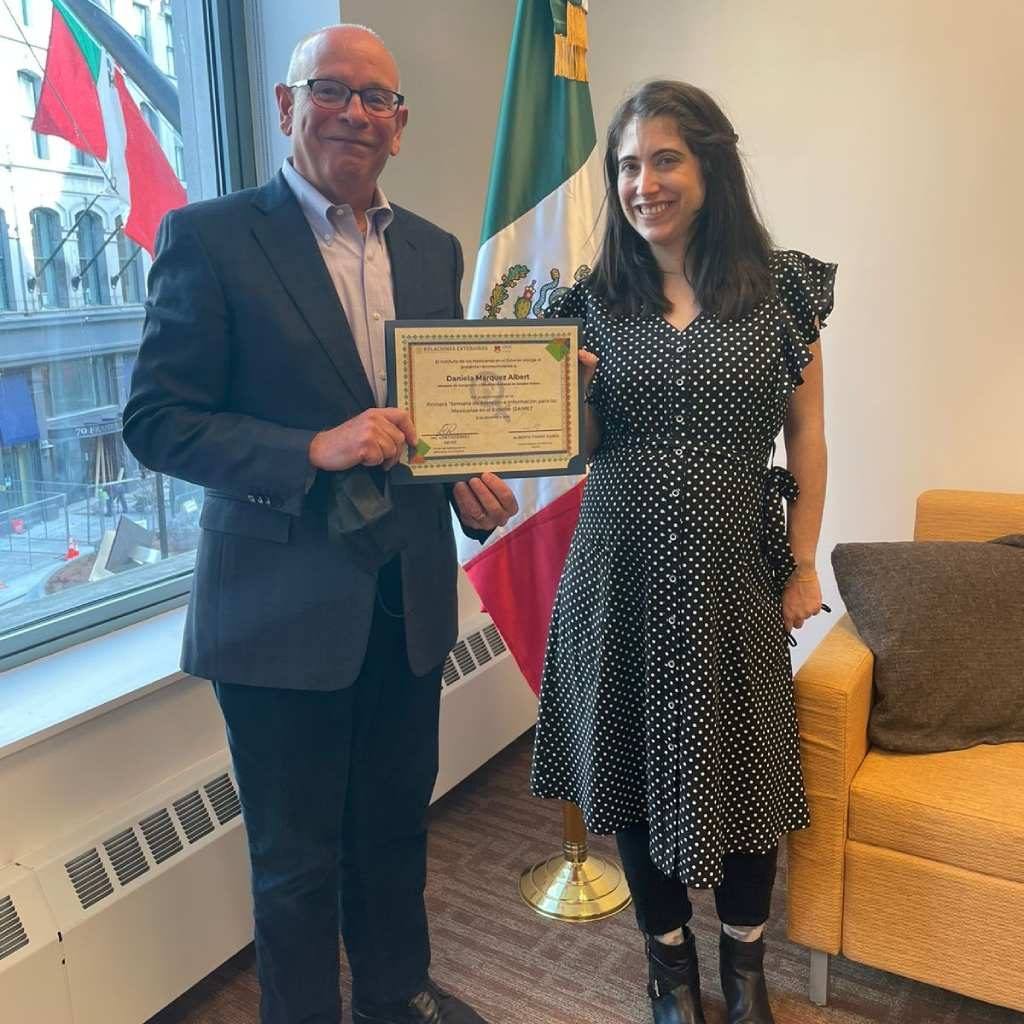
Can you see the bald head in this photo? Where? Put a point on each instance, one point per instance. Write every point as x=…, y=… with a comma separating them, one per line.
x=341, y=149
x=335, y=38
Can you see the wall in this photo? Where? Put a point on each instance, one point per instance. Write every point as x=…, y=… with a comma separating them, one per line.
x=273, y=30
x=882, y=135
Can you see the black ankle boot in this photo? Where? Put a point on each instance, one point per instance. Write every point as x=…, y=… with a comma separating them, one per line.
x=674, y=985
x=741, y=965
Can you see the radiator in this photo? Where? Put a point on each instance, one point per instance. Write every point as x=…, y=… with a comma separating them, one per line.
x=109, y=924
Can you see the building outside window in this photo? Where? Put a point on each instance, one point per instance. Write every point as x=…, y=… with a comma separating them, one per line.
x=142, y=31
x=149, y=115
x=129, y=273
x=94, y=281
x=66, y=356
x=51, y=277
x=169, y=47
x=30, y=86
x=6, y=276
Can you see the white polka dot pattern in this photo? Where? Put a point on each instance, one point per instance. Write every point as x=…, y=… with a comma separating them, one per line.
x=668, y=689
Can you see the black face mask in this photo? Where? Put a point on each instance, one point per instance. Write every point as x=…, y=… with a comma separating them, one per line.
x=362, y=519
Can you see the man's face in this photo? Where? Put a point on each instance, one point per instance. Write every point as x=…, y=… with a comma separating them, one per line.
x=342, y=152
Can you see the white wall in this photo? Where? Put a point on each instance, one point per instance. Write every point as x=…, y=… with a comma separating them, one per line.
x=273, y=29
x=884, y=135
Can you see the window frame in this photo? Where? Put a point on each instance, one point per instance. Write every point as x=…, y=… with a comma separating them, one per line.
x=40, y=143
x=8, y=297
x=215, y=99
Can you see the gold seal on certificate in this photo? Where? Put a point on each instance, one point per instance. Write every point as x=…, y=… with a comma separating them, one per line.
x=498, y=396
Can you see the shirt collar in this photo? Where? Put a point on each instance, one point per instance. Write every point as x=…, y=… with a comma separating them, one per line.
x=317, y=207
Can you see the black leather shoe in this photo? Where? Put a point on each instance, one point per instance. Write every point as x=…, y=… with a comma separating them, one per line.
x=741, y=965
x=674, y=985
x=431, y=1006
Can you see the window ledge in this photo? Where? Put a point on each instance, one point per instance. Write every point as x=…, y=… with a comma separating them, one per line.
x=55, y=693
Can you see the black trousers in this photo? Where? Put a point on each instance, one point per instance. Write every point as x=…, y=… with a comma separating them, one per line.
x=662, y=904
x=334, y=789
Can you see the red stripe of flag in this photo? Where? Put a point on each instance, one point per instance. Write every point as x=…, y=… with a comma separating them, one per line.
x=153, y=186
x=69, y=106
x=517, y=576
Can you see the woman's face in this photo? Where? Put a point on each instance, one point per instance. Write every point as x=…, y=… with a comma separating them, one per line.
x=660, y=183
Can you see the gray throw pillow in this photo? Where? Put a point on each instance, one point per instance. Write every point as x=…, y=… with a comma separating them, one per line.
x=945, y=621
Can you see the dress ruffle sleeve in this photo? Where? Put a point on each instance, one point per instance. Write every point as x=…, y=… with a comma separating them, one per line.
x=805, y=288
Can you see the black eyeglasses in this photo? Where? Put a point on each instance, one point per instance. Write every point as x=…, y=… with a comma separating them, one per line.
x=330, y=94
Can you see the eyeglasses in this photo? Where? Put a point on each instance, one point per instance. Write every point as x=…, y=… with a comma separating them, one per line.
x=330, y=94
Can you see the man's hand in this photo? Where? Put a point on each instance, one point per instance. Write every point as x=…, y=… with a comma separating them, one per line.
x=484, y=502
x=373, y=438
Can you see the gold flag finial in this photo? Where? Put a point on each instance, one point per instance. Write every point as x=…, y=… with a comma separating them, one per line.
x=571, y=45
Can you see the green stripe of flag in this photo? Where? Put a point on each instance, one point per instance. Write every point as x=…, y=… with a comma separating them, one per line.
x=90, y=48
x=546, y=127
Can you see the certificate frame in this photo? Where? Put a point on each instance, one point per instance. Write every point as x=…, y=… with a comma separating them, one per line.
x=501, y=396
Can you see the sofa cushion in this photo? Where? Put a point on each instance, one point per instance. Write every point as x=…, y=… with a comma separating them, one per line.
x=945, y=621
x=964, y=808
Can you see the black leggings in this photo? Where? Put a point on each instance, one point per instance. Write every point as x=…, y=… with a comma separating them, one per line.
x=661, y=903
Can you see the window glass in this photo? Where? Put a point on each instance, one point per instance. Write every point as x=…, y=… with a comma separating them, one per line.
x=73, y=266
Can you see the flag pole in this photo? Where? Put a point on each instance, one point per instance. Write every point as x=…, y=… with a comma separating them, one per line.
x=575, y=885
x=537, y=226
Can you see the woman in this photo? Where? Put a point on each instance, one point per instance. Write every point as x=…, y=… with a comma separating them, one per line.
x=667, y=704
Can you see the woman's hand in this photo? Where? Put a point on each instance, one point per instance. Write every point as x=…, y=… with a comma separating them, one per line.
x=589, y=363
x=801, y=599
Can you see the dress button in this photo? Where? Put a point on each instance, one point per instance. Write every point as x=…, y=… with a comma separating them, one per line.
x=679, y=419
x=670, y=664
x=672, y=578
x=679, y=381
x=675, y=493
x=376, y=316
x=671, y=536
x=680, y=349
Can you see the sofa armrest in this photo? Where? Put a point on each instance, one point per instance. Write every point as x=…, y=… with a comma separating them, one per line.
x=833, y=702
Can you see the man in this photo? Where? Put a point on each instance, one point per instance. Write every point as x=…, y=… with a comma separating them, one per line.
x=324, y=601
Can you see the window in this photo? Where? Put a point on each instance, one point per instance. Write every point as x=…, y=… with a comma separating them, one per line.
x=51, y=276
x=169, y=44
x=26, y=10
x=80, y=158
x=77, y=385
x=149, y=115
x=30, y=85
x=140, y=12
x=179, y=160
x=129, y=273
x=78, y=283
x=92, y=260
x=6, y=276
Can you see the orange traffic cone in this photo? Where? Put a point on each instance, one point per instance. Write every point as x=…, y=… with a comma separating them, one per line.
x=72, y=551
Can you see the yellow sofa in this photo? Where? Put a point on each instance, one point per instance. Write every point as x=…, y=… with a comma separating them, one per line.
x=914, y=863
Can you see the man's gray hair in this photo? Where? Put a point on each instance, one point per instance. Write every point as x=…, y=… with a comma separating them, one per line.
x=300, y=61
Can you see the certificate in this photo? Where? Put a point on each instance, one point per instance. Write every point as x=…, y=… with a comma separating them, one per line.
x=487, y=395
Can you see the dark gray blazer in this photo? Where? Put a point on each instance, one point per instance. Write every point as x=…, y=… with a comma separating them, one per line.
x=246, y=354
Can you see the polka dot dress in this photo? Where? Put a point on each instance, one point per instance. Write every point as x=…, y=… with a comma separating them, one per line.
x=668, y=691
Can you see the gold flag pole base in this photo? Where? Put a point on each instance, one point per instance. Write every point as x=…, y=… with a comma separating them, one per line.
x=575, y=886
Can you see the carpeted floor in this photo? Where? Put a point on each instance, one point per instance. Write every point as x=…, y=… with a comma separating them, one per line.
x=518, y=968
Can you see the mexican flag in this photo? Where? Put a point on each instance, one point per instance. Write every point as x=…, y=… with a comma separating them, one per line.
x=539, y=237
x=84, y=99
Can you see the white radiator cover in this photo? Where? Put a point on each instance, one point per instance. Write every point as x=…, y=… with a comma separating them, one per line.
x=110, y=922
